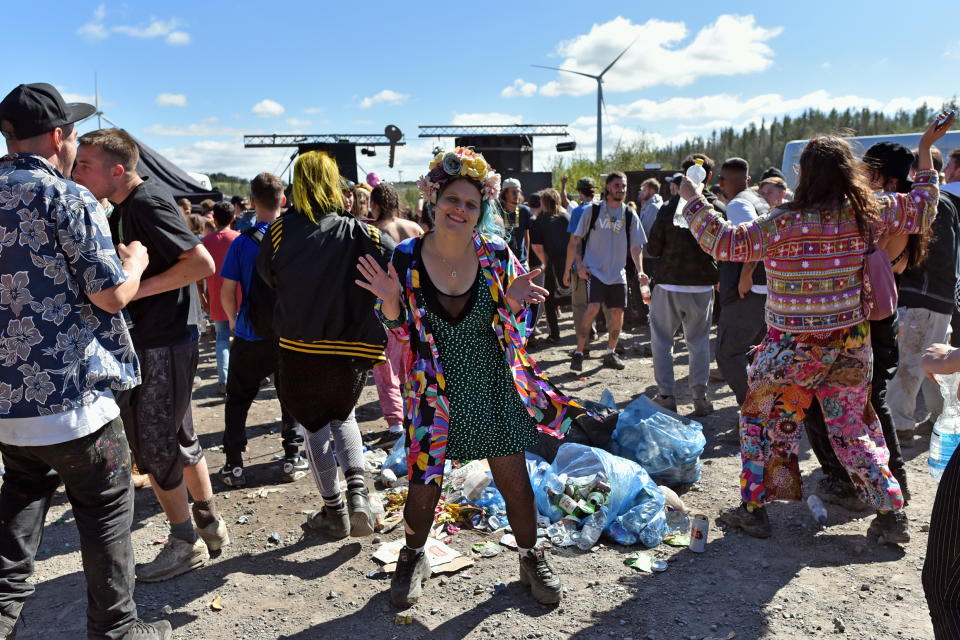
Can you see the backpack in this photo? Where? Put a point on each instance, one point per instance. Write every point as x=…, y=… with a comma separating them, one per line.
x=628, y=221
x=261, y=299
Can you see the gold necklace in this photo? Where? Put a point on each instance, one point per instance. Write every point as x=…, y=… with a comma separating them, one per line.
x=453, y=272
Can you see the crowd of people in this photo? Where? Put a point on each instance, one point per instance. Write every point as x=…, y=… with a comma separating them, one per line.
x=107, y=282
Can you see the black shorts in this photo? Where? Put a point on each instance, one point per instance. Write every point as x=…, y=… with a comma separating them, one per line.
x=614, y=296
x=157, y=415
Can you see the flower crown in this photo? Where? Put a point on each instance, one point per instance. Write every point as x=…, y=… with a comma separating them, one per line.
x=462, y=162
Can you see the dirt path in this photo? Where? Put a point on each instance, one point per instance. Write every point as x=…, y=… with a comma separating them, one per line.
x=803, y=582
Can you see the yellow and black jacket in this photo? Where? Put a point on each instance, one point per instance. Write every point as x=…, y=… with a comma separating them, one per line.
x=313, y=268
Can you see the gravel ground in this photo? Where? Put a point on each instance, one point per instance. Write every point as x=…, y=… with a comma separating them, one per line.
x=804, y=582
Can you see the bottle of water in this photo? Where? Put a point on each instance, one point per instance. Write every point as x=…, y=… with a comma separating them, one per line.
x=946, y=431
x=697, y=174
x=592, y=528
x=817, y=509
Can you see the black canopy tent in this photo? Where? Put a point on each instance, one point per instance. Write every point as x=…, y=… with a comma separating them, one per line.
x=180, y=183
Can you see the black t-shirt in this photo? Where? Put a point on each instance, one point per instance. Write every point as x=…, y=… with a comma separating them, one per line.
x=516, y=224
x=551, y=232
x=150, y=215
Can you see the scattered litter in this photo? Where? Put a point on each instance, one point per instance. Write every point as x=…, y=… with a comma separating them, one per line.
x=263, y=493
x=403, y=618
x=443, y=559
x=499, y=588
x=217, y=604
x=243, y=520
x=677, y=540
x=273, y=538
x=508, y=540
x=167, y=609
x=162, y=540
x=645, y=562
x=487, y=549
x=333, y=595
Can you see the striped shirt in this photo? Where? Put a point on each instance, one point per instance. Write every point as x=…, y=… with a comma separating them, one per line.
x=814, y=259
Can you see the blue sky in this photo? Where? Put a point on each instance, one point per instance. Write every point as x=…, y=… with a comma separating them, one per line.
x=189, y=78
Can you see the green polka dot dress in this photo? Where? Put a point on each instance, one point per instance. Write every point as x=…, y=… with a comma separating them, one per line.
x=487, y=415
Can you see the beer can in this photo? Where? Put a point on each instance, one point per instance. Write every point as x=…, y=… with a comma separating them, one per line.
x=699, y=528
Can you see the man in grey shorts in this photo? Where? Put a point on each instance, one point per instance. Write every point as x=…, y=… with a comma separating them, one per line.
x=157, y=414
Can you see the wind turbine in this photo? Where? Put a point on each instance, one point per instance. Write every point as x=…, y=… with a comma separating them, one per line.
x=96, y=103
x=599, y=79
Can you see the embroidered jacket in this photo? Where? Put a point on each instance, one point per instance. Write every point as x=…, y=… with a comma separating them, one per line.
x=426, y=405
x=814, y=259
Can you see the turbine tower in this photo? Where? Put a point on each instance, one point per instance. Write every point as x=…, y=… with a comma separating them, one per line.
x=599, y=79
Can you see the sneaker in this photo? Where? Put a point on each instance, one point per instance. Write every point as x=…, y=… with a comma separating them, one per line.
x=8, y=626
x=576, y=364
x=361, y=517
x=395, y=429
x=891, y=527
x=702, y=407
x=232, y=477
x=620, y=349
x=613, y=361
x=334, y=523
x=294, y=468
x=755, y=524
x=535, y=570
x=140, y=630
x=533, y=342
x=175, y=557
x=841, y=493
x=406, y=586
x=215, y=535
x=924, y=428
x=667, y=402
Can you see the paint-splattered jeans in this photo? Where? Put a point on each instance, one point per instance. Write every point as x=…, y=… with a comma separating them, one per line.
x=96, y=472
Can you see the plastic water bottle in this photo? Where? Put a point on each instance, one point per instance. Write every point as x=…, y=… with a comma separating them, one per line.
x=475, y=483
x=697, y=174
x=817, y=510
x=946, y=431
x=592, y=528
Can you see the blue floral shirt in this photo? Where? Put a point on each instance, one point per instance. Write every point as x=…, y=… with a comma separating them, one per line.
x=58, y=350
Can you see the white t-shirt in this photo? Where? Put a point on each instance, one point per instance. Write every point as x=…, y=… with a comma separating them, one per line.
x=740, y=211
x=70, y=425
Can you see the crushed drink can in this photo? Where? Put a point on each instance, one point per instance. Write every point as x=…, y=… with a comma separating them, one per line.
x=699, y=528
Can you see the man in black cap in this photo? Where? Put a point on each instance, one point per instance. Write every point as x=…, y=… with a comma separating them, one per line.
x=587, y=189
x=67, y=350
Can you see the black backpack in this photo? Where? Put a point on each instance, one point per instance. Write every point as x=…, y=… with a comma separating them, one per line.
x=261, y=299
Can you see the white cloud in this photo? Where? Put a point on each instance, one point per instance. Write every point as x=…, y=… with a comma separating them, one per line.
x=387, y=96
x=826, y=65
x=297, y=122
x=178, y=38
x=228, y=156
x=313, y=110
x=204, y=129
x=732, y=45
x=156, y=28
x=268, y=109
x=729, y=107
x=92, y=31
x=485, y=118
x=519, y=88
x=171, y=100
x=69, y=96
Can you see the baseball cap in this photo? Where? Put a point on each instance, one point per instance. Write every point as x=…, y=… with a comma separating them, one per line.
x=510, y=182
x=773, y=172
x=675, y=178
x=32, y=109
x=586, y=184
x=890, y=159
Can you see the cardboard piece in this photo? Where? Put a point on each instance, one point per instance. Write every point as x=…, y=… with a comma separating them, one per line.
x=439, y=555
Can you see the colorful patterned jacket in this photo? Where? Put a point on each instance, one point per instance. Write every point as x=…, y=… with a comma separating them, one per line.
x=814, y=259
x=426, y=406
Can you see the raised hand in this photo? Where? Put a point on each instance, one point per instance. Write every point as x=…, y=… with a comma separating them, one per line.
x=383, y=284
x=524, y=291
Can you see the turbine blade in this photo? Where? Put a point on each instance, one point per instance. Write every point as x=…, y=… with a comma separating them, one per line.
x=579, y=73
x=615, y=60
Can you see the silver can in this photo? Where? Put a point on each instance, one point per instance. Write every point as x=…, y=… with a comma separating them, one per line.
x=699, y=528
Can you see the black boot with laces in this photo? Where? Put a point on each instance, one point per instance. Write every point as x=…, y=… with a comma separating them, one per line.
x=535, y=570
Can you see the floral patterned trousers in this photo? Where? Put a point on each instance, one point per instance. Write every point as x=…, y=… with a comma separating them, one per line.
x=788, y=372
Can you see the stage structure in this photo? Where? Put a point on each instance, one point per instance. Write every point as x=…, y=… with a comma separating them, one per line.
x=342, y=147
x=507, y=147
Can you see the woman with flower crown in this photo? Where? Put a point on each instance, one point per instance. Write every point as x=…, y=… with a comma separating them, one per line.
x=459, y=297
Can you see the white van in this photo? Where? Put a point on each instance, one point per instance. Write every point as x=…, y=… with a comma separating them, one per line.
x=792, y=150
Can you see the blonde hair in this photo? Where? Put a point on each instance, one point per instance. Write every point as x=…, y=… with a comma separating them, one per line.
x=316, y=185
x=361, y=199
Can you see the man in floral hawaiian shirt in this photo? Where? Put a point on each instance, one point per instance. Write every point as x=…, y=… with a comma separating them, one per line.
x=64, y=350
